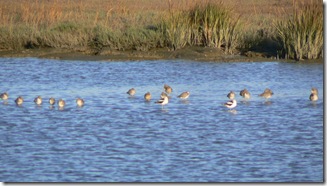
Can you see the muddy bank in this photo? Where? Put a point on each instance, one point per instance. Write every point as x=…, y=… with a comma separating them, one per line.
x=187, y=53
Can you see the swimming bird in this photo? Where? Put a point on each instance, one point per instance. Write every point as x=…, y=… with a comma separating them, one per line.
x=147, y=96
x=231, y=104
x=314, y=94
x=61, y=103
x=4, y=96
x=52, y=101
x=245, y=94
x=131, y=92
x=184, y=95
x=162, y=101
x=19, y=100
x=168, y=89
x=231, y=95
x=38, y=100
x=267, y=93
x=80, y=102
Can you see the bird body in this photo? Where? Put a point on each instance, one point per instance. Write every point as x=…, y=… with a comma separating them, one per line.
x=131, y=92
x=231, y=104
x=267, y=93
x=168, y=89
x=4, y=96
x=147, y=96
x=314, y=94
x=80, y=102
x=162, y=101
x=184, y=95
x=231, y=95
x=38, y=100
x=61, y=103
x=245, y=94
x=52, y=101
x=19, y=100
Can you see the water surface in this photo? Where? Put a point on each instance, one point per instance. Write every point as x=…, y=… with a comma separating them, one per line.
x=117, y=138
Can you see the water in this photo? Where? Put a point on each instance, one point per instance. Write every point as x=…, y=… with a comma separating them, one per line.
x=115, y=138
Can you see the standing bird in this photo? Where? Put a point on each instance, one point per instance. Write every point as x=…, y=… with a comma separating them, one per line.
x=80, y=102
x=231, y=104
x=38, y=100
x=245, y=94
x=267, y=93
x=162, y=101
x=168, y=89
x=231, y=95
x=147, y=96
x=52, y=101
x=4, y=96
x=131, y=92
x=184, y=95
x=61, y=103
x=314, y=94
x=19, y=100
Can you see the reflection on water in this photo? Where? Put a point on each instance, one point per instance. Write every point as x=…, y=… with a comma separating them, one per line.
x=114, y=137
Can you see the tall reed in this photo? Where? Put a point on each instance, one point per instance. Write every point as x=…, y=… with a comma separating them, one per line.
x=301, y=35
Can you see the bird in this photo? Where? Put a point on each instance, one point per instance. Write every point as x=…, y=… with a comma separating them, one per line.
x=267, y=93
x=314, y=94
x=168, y=89
x=80, y=102
x=163, y=94
x=184, y=95
x=52, y=101
x=231, y=95
x=131, y=92
x=231, y=104
x=162, y=101
x=147, y=96
x=61, y=103
x=38, y=100
x=4, y=96
x=245, y=94
x=19, y=100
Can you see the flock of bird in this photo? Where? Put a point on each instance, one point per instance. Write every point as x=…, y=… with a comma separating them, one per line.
x=164, y=98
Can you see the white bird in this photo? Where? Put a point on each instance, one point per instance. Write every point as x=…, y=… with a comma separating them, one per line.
x=231, y=104
x=163, y=101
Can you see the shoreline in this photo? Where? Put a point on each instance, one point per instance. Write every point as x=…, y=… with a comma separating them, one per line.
x=188, y=53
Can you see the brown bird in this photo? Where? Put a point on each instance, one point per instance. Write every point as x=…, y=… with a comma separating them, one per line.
x=80, y=102
x=19, y=100
x=245, y=94
x=267, y=93
x=184, y=95
x=314, y=94
x=168, y=89
x=147, y=96
x=231, y=95
x=61, y=103
x=131, y=92
x=4, y=96
x=38, y=100
x=52, y=101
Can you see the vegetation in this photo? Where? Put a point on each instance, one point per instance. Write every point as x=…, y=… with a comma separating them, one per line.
x=143, y=25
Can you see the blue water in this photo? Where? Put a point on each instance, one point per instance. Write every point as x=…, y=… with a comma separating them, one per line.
x=117, y=138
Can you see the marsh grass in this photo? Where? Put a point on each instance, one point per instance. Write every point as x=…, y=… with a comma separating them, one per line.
x=301, y=35
x=144, y=25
